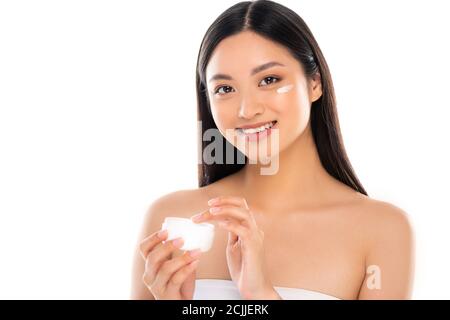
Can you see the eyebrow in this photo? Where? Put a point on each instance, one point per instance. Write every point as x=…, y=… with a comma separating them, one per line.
x=221, y=76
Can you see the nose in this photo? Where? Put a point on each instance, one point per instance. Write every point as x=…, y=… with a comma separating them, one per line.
x=249, y=108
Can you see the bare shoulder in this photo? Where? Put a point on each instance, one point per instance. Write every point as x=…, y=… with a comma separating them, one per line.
x=176, y=201
x=186, y=203
x=390, y=249
x=383, y=218
x=181, y=203
x=384, y=226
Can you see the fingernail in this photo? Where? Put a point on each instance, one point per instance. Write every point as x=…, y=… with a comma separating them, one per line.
x=178, y=242
x=162, y=233
x=195, y=253
x=197, y=217
x=213, y=201
x=214, y=209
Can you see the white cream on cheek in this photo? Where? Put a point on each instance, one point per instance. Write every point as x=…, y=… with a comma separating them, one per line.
x=285, y=89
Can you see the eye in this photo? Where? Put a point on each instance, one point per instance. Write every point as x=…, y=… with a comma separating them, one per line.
x=270, y=79
x=227, y=89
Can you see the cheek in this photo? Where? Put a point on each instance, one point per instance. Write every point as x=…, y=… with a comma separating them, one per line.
x=299, y=108
x=293, y=109
x=224, y=116
x=291, y=103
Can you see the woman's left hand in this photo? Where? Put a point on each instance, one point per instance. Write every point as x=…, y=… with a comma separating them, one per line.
x=245, y=247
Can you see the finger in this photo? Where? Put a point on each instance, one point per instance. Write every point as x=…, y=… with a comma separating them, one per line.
x=179, y=277
x=169, y=267
x=151, y=241
x=160, y=254
x=219, y=213
x=230, y=200
x=227, y=213
x=163, y=251
x=198, y=217
x=232, y=238
x=205, y=216
x=237, y=228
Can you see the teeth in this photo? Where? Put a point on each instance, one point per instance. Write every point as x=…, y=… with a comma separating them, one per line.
x=256, y=130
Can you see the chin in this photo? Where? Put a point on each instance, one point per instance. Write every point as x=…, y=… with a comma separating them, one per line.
x=265, y=157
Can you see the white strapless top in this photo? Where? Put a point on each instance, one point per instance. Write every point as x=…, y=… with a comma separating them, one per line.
x=221, y=289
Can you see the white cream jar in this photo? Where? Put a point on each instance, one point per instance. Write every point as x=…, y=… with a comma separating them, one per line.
x=195, y=235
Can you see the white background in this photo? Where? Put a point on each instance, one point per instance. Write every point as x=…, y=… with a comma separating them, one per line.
x=98, y=118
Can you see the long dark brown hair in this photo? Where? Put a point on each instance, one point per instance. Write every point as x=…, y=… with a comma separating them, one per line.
x=282, y=25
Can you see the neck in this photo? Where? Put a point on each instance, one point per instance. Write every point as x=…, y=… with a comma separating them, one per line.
x=300, y=179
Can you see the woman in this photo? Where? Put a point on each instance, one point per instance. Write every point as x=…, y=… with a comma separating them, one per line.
x=305, y=230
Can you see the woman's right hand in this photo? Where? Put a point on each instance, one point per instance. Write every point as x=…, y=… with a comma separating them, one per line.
x=167, y=277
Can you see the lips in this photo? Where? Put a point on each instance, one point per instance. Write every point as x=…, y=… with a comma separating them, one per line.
x=256, y=128
x=257, y=133
x=255, y=125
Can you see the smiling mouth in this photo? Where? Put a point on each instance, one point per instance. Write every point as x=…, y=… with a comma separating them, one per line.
x=259, y=129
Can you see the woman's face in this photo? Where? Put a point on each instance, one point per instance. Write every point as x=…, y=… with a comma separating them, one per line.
x=252, y=80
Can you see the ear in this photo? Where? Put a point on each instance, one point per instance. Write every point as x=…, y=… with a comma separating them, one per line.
x=315, y=87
